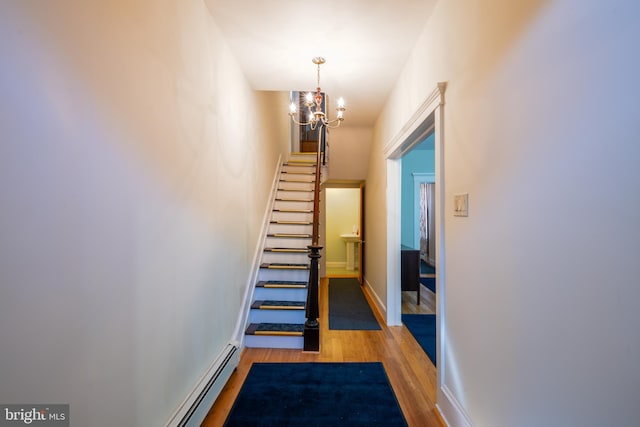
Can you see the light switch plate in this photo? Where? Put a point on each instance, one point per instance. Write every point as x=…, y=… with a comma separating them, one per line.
x=461, y=204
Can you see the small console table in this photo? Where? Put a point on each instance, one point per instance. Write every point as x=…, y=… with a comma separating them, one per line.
x=410, y=270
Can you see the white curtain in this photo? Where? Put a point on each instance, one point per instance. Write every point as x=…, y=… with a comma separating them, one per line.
x=427, y=223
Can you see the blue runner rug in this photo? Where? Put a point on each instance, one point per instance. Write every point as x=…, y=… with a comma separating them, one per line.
x=316, y=395
x=423, y=329
x=348, y=307
x=429, y=282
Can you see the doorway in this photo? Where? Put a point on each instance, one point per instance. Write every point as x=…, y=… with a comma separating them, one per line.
x=427, y=119
x=342, y=231
x=417, y=218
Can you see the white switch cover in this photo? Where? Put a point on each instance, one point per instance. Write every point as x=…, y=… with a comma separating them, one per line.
x=461, y=204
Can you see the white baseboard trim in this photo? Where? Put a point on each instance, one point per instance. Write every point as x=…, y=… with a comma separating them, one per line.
x=336, y=264
x=382, y=308
x=195, y=407
x=452, y=413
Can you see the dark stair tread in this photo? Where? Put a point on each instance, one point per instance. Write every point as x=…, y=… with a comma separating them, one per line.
x=282, y=199
x=297, y=181
x=294, y=329
x=284, y=266
x=278, y=305
x=291, y=222
x=295, y=190
x=287, y=250
x=300, y=172
x=281, y=284
x=299, y=163
x=293, y=210
x=290, y=235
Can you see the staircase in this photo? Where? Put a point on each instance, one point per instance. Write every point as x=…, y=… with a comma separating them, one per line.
x=277, y=315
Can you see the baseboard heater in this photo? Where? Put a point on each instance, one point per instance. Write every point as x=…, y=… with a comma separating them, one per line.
x=195, y=407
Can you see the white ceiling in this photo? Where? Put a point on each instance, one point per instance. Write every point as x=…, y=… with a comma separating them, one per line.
x=365, y=43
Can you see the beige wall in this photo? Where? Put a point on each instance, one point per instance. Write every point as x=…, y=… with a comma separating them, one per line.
x=349, y=153
x=133, y=190
x=540, y=128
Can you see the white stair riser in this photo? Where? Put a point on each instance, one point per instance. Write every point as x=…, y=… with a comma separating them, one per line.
x=268, y=341
x=293, y=176
x=302, y=169
x=280, y=294
x=277, y=316
x=284, y=185
x=281, y=242
x=298, y=195
x=291, y=216
x=285, y=257
x=281, y=204
x=288, y=275
x=290, y=229
x=307, y=156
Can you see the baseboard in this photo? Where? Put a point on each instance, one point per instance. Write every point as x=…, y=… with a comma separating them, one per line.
x=193, y=410
x=450, y=411
x=439, y=416
x=336, y=264
x=381, y=307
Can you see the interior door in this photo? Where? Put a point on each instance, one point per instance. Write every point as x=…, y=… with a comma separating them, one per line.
x=362, y=239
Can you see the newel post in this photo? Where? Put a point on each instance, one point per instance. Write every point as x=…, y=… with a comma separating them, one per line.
x=312, y=326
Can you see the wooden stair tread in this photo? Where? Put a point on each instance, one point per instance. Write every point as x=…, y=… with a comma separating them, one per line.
x=299, y=181
x=295, y=190
x=291, y=222
x=290, y=235
x=293, y=210
x=288, y=250
x=281, y=284
x=284, y=266
x=291, y=329
x=300, y=162
x=300, y=172
x=278, y=305
x=284, y=199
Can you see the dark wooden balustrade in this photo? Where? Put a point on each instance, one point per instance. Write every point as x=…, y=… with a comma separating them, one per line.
x=312, y=325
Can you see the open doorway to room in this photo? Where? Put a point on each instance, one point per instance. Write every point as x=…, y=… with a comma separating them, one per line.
x=427, y=120
x=418, y=232
x=343, y=230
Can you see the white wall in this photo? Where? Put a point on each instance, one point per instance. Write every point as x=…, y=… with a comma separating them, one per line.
x=132, y=192
x=541, y=130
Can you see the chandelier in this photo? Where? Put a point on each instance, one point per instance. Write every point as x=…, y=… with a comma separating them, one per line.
x=313, y=101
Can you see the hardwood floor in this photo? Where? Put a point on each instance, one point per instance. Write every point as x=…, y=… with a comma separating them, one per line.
x=341, y=272
x=427, y=302
x=411, y=373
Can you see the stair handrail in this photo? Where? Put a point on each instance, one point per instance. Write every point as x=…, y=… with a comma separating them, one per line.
x=312, y=325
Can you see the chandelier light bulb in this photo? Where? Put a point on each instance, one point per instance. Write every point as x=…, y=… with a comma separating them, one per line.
x=292, y=108
x=309, y=98
x=341, y=102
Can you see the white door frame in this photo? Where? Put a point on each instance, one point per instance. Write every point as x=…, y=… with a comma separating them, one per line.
x=428, y=118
